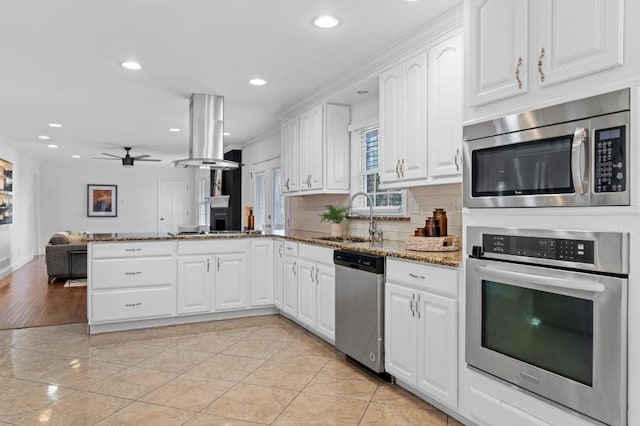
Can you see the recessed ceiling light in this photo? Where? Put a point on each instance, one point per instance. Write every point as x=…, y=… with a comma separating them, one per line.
x=52, y=146
x=257, y=82
x=55, y=125
x=75, y=156
x=227, y=133
x=43, y=137
x=174, y=129
x=131, y=65
x=326, y=21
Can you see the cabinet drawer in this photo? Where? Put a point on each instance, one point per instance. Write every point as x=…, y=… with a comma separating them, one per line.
x=316, y=254
x=121, y=273
x=131, y=304
x=290, y=248
x=135, y=249
x=431, y=278
x=220, y=245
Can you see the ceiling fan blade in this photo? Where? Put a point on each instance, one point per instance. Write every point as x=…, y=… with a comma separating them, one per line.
x=100, y=158
x=148, y=159
x=137, y=157
x=111, y=155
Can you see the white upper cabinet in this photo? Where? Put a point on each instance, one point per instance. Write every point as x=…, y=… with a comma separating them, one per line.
x=290, y=141
x=445, y=109
x=521, y=47
x=315, y=150
x=497, y=49
x=421, y=117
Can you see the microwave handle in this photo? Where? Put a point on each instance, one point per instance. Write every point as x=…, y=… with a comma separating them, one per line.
x=583, y=285
x=578, y=160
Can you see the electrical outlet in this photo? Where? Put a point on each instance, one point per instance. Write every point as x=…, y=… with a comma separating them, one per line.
x=456, y=204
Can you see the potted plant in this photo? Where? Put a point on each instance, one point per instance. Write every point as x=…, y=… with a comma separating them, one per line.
x=335, y=215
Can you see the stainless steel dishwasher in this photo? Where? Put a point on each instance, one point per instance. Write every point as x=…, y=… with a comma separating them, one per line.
x=360, y=307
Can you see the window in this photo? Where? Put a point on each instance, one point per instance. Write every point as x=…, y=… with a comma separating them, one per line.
x=268, y=201
x=367, y=177
x=203, y=202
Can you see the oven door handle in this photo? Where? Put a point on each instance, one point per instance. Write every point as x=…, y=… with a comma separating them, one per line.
x=583, y=285
x=578, y=160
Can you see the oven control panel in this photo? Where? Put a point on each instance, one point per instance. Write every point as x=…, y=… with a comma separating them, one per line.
x=581, y=251
x=610, y=168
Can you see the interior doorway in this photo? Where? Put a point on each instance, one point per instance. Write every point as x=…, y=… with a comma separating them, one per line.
x=267, y=198
x=173, y=204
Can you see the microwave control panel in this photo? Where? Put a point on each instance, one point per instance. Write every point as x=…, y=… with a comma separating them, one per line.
x=581, y=251
x=610, y=158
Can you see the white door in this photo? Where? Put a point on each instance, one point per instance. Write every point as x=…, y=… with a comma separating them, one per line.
x=307, y=288
x=173, y=204
x=438, y=347
x=390, y=124
x=268, y=201
x=290, y=297
x=413, y=154
x=497, y=50
x=445, y=108
x=278, y=276
x=261, y=272
x=578, y=37
x=231, y=281
x=195, y=284
x=326, y=306
x=401, y=332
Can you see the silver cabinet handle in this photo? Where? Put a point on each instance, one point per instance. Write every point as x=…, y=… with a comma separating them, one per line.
x=578, y=160
x=131, y=305
x=455, y=160
x=418, y=306
x=294, y=268
x=416, y=276
x=208, y=264
x=286, y=185
x=317, y=280
x=133, y=273
x=402, y=168
x=540, y=65
x=398, y=169
x=280, y=250
x=311, y=273
x=132, y=249
x=413, y=297
x=218, y=259
x=518, y=65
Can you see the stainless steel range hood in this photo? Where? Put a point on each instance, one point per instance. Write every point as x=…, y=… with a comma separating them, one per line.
x=206, y=122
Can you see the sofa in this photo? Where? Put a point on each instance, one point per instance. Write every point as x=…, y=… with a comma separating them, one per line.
x=57, y=256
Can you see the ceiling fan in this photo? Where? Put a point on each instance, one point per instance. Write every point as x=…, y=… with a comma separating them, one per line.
x=128, y=160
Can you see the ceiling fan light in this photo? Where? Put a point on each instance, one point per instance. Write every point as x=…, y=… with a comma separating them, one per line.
x=127, y=162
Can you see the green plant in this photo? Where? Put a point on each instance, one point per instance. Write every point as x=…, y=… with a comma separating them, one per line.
x=335, y=214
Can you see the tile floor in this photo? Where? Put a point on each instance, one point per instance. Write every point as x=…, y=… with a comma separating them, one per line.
x=259, y=370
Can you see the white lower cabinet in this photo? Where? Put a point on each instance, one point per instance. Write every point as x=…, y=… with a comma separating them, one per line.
x=421, y=328
x=487, y=410
x=290, y=291
x=231, y=281
x=316, y=290
x=195, y=284
x=262, y=265
x=131, y=304
x=278, y=275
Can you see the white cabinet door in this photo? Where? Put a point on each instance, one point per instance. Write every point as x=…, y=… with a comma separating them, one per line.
x=290, y=155
x=311, y=152
x=261, y=288
x=413, y=148
x=326, y=313
x=278, y=276
x=290, y=297
x=401, y=332
x=195, y=284
x=307, y=293
x=337, y=149
x=497, y=36
x=231, y=281
x=578, y=37
x=511, y=416
x=391, y=122
x=438, y=347
x=445, y=108
x=484, y=408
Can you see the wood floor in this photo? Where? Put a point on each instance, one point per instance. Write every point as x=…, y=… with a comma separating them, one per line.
x=26, y=300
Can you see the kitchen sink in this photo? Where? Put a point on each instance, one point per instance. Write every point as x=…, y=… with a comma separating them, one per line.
x=345, y=239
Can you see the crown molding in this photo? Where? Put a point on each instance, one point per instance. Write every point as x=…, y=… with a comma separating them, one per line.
x=270, y=132
x=420, y=39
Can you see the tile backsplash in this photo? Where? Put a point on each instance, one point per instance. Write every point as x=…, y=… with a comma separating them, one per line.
x=305, y=212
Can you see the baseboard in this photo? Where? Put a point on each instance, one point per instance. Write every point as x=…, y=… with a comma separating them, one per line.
x=15, y=266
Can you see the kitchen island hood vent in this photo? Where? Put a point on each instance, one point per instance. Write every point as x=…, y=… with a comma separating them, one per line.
x=206, y=122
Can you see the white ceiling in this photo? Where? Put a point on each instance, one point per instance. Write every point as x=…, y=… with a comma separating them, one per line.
x=60, y=63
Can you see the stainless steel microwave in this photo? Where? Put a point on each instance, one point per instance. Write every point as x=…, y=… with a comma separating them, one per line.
x=573, y=154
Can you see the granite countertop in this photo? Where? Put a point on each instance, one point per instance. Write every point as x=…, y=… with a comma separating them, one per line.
x=389, y=248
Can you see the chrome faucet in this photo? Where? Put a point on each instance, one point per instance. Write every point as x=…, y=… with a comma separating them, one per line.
x=372, y=223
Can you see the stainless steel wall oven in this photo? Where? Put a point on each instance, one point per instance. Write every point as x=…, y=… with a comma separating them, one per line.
x=546, y=310
x=573, y=154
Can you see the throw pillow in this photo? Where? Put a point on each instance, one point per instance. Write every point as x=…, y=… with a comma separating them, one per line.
x=59, y=238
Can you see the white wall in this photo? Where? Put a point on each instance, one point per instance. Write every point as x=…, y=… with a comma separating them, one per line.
x=64, y=196
x=18, y=240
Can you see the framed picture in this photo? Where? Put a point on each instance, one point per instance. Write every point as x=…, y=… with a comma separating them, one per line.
x=102, y=200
